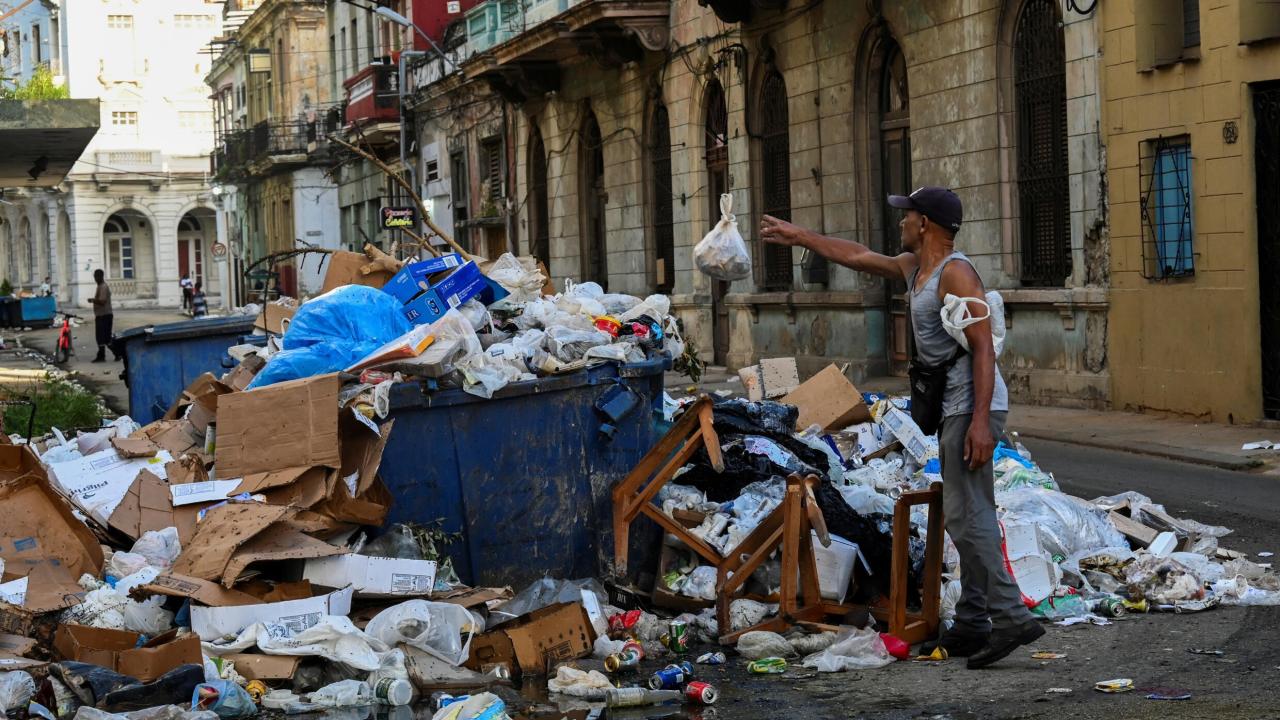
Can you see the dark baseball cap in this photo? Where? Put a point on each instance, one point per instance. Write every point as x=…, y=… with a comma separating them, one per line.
x=940, y=205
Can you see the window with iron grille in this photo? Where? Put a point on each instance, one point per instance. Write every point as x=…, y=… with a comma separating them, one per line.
x=775, y=175
x=664, y=240
x=1190, y=23
x=1040, y=86
x=540, y=224
x=1165, y=175
x=491, y=182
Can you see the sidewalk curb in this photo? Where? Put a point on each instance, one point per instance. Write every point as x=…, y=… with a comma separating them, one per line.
x=1211, y=459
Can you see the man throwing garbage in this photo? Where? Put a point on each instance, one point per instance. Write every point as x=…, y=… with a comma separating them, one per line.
x=973, y=403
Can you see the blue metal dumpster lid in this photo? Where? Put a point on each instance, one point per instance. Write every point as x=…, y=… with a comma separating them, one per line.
x=230, y=325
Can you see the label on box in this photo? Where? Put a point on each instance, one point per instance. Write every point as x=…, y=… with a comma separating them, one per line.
x=406, y=584
x=297, y=623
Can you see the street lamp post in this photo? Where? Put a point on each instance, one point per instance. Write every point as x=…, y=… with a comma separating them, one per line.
x=390, y=15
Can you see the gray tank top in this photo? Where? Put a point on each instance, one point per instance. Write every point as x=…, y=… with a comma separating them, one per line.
x=934, y=346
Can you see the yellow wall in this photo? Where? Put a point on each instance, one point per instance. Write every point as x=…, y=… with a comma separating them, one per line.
x=1190, y=345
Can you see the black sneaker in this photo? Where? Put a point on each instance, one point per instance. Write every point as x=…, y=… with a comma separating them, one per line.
x=957, y=643
x=1003, y=642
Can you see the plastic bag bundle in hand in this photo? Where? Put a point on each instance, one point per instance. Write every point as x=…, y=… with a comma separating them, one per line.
x=956, y=316
x=722, y=254
x=333, y=332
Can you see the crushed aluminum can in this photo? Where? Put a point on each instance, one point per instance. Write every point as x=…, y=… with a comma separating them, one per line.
x=712, y=658
x=701, y=692
x=767, y=666
x=1118, y=685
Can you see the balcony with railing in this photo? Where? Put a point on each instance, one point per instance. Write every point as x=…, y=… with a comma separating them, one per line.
x=373, y=96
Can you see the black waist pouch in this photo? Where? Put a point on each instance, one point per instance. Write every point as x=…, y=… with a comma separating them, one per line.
x=928, y=388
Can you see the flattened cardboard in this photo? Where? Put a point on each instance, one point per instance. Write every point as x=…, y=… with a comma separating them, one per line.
x=224, y=529
x=37, y=525
x=344, y=269
x=374, y=576
x=258, y=482
x=145, y=507
x=429, y=673
x=1136, y=532
x=535, y=643
x=255, y=666
x=186, y=469
x=10, y=662
x=362, y=453
x=211, y=623
x=371, y=509
x=16, y=644
x=201, y=591
x=278, y=542
x=208, y=491
x=134, y=447
x=177, y=437
x=311, y=489
x=778, y=376
x=290, y=424
x=118, y=650
x=829, y=400
x=272, y=318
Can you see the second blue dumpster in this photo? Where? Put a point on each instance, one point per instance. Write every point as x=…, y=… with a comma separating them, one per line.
x=161, y=360
x=525, y=476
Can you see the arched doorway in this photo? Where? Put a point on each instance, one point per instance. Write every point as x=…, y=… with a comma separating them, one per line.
x=592, y=198
x=117, y=248
x=43, y=267
x=539, y=223
x=716, y=157
x=893, y=121
x=1040, y=99
x=663, y=214
x=190, y=249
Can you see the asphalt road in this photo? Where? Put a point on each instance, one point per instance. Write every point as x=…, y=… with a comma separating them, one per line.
x=1150, y=649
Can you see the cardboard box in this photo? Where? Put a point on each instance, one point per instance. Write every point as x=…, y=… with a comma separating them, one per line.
x=534, y=644
x=407, y=284
x=446, y=293
x=278, y=542
x=97, y=483
x=290, y=424
x=254, y=666
x=345, y=269
x=211, y=623
x=118, y=650
x=274, y=318
x=239, y=377
x=373, y=576
x=1136, y=532
x=37, y=526
x=829, y=400
x=913, y=439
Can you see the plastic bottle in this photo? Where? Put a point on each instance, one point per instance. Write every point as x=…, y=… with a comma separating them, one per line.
x=639, y=697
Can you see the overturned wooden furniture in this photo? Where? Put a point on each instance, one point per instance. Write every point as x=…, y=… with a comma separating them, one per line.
x=634, y=495
x=788, y=527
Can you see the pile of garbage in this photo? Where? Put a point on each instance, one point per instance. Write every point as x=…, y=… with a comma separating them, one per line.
x=233, y=557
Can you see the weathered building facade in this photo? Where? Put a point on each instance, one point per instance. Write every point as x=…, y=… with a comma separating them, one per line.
x=1192, y=124
x=628, y=119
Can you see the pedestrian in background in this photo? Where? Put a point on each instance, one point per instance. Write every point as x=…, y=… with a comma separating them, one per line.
x=185, y=284
x=199, y=305
x=46, y=289
x=102, y=316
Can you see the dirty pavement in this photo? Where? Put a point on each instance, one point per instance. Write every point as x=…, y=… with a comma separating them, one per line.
x=447, y=489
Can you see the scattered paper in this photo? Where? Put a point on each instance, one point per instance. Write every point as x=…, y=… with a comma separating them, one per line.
x=1057, y=691
x=1091, y=619
x=1266, y=553
x=1042, y=655
x=1260, y=445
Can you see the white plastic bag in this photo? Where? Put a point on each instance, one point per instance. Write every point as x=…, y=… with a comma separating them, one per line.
x=435, y=628
x=721, y=253
x=760, y=644
x=956, y=316
x=16, y=689
x=160, y=548
x=521, y=278
x=855, y=649
x=344, y=693
x=333, y=638
x=701, y=583
x=590, y=684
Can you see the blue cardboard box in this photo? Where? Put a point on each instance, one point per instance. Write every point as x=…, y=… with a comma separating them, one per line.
x=449, y=292
x=406, y=284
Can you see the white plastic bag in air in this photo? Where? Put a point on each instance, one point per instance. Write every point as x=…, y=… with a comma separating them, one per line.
x=721, y=253
x=435, y=628
x=956, y=316
x=520, y=278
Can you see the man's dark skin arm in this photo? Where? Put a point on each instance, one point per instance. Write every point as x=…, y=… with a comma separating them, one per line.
x=848, y=253
x=960, y=279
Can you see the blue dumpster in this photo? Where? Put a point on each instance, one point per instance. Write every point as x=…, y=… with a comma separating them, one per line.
x=525, y=476
x=37, y=312
x=161, y=360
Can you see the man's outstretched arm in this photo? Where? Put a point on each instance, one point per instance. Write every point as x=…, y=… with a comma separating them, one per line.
x=848, y=253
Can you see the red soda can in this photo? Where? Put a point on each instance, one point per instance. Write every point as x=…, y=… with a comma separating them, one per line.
x=701, y=692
